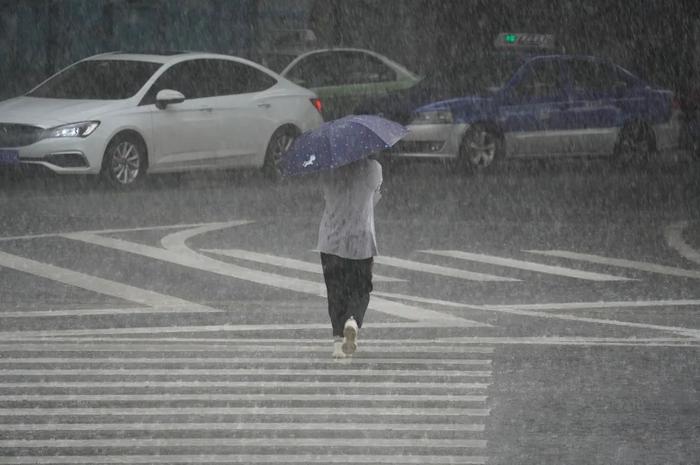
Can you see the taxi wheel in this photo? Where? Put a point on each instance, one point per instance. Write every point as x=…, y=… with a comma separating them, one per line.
x=124, y=161
x=634, y=145
x=481, y=148
x=279, y=143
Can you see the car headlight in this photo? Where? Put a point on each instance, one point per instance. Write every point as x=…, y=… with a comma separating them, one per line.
x=82, y=129
x=433, y=117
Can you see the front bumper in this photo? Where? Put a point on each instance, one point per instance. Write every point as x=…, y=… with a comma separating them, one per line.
x=70, y=155
x=431, y=141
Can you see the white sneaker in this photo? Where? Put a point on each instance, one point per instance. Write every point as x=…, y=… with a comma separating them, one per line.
x=350, y=340
x=338, y=348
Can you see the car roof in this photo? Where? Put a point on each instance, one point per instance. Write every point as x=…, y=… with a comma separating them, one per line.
x=169, y=57
x=349, y=49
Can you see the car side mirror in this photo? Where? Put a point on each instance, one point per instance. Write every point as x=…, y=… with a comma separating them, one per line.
x=167, y=97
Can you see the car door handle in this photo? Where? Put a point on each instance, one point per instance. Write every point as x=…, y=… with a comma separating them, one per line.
x=264, y=105
x=207, y=109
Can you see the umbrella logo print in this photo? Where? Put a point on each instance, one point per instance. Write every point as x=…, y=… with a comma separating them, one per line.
x=310, y=161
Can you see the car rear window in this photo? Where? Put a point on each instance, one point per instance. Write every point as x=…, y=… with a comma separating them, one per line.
x=98, y=80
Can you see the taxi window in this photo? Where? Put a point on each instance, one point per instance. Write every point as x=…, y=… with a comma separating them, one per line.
x=543, y=80
x=589, y=76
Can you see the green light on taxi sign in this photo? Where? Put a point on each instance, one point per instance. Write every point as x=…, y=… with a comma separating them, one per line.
x=510, y=38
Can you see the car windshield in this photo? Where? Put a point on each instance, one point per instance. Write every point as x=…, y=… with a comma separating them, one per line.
x=98, y=80
x=479, y=75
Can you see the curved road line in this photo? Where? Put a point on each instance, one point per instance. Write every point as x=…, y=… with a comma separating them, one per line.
x=674, y=238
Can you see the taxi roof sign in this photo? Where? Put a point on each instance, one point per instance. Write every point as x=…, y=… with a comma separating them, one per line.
x=524, y=40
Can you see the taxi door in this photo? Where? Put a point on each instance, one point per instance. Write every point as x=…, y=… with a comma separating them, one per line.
x=533, y=109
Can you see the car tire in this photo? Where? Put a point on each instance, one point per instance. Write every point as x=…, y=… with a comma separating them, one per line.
x=124, y=163
x=279, y=143
x=481, y=149
x=635, y=143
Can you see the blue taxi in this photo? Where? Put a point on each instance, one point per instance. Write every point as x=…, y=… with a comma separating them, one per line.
x=543, y=105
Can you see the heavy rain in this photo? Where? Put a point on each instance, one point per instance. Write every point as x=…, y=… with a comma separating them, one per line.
x=350, y=232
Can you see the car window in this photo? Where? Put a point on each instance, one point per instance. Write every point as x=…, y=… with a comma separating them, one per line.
x=237, y=78
x=187, y=77
x=316, y=70
x=362, y=68
x=98, y=80
x=542, y=80
x=593, y=77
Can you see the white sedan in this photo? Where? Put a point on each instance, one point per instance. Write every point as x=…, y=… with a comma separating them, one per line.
x=122, y=115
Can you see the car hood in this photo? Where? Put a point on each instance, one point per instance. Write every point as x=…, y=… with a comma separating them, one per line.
x=49, y=112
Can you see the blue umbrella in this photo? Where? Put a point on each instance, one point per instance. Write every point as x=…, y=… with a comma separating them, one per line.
x=340, y=142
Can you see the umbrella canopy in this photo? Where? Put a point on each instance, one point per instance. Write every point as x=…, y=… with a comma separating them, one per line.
x=340, y=142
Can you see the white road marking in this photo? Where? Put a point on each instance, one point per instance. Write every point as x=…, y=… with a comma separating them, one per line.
x=528, y=266
x=695, y=333
x=429, y=443
x=104, y=311
x=83, y=344
x=95, y=284
x=438, y=270
x=360, y=371
x=394, y=295
x=576, y=341
x=230, y=361
x=229, y=426
x=13, y=335
x=115, y=231
x=258, y=411
x=285, y=262
x=674, y=237
x=248, y=459
x=239, y=397
x=178, y=253
x=603, y=304
x=642, y=266
x=388, y=385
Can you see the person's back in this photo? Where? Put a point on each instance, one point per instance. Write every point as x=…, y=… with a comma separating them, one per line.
x=347, y=242
x=347, y=227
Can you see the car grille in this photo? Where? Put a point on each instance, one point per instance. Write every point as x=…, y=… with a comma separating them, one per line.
x=18, y=135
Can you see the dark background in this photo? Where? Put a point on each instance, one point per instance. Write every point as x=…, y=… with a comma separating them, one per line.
x=655, y=39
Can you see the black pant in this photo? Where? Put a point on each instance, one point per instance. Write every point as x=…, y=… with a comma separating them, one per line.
x=348, y=283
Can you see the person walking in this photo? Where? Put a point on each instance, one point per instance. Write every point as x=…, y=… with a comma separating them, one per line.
x=347, y=243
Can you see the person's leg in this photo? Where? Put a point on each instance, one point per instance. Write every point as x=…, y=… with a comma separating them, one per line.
x=335, y=289
x=359, y=286
x=359, y=289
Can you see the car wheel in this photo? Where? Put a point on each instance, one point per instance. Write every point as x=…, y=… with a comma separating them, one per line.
x=634, y=144
x=124, y=162
x=481, y=148
x=279, y=143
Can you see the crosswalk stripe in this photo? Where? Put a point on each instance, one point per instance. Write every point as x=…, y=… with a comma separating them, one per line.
x=77, y=345
x=595, y=305
x=528, y=266
x=388, y=385
x=285, y=262
x=167, y=397
x=258, y=411
x=248, y=442
x=623, y=263
x=232, y=361
x=360, y=371
x=438, y=270
x=249, y=459
x=238, y=426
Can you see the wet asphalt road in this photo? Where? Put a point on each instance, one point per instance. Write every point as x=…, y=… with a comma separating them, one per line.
x=564, y=331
